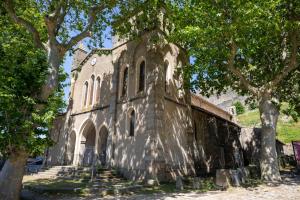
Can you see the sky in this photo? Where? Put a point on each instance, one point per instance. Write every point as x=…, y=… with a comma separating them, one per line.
x=69, y=59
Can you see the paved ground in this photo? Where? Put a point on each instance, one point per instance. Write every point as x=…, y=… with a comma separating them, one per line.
x=288, y=190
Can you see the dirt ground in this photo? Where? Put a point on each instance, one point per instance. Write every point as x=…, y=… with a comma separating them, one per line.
x=289, y=189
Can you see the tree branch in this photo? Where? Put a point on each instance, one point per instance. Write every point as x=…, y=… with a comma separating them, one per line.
x=243, y=81
x=8, y=4
x=292, y=64
x=61, y=16
x=87, y=31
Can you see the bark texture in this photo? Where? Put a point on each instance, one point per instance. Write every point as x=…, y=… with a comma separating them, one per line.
x=54, y=59
x=268, y=158
x=11, y=176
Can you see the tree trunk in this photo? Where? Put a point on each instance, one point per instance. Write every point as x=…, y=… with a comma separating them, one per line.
x=11, y=176
x=268, y=158
x=51, y=83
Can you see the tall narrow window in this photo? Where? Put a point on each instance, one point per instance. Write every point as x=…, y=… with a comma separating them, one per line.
x=92, y=90
x=141, y=77
x=86, y=89
x=125, y=81
x=132, y=123
x=98, y=90
x=195, y=131
x=166, y=66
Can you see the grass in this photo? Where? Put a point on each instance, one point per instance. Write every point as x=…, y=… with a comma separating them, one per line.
x=207, y=184
x=287, y=130
x=57, y=186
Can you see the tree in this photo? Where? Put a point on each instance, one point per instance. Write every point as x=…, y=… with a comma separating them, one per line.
x=251, y=47
x=56, y=27
x=23, y=126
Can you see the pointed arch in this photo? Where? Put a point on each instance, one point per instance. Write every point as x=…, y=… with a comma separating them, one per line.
x=141, y=75
x=85, y=94
x=102, y=144
x=98, y=88
x=124, y=82
x=87, y=143
x=166, y=75
x=71, y=149
x=131, y=122
x=92, y=90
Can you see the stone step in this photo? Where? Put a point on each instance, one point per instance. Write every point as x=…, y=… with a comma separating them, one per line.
x=73, y=172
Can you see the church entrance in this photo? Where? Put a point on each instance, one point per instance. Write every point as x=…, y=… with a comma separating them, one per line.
x=72, y=140
x=87, y=146
x=102, y=145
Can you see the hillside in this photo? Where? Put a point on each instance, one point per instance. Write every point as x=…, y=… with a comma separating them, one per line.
x=287, y=129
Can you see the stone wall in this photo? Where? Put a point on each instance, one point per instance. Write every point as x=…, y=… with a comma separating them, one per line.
x=217, y=143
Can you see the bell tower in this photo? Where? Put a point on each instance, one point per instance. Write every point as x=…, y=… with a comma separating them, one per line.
x=79, y=55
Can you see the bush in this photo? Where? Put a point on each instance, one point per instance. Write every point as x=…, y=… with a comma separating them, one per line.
x=252, y=105
x=239, y=107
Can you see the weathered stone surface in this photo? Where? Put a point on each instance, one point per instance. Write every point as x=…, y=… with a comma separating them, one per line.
x=223, y=177
x=179, y=183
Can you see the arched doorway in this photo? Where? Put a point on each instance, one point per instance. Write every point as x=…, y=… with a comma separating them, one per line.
x=72, y=140
x=102, y=145
x=87, y=144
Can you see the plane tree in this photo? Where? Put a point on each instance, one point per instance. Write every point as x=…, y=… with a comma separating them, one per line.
x=24, y=126
x=55, y=27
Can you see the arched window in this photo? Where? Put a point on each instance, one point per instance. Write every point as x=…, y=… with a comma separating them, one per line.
x=132, y=123
x=141, y=77
x=92, y=89
x=166, y=68
x=86, y=89
x=125, y=82
x=98, y=90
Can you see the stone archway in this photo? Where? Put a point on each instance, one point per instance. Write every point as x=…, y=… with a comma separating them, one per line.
x=71, y=150
x=102, y=145
x=87, y=144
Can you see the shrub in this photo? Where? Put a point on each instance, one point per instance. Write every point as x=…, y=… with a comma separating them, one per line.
x=239, y=107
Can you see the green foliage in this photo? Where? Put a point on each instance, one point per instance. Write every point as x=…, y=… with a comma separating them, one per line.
x=75, y=18
x=208, y=28
x=239, y=107
x=287, y=130
x=23, y=69
x=291, y=110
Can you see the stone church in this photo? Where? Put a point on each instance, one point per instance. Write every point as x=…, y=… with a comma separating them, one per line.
x=129, y=109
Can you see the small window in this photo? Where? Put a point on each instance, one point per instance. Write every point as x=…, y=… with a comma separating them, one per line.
x=86, y=88
x=132, y=123
x=125, y=82
x=92, y=89
x=141, y=79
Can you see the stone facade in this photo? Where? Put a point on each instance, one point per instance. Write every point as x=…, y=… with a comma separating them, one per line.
x=146, y=129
